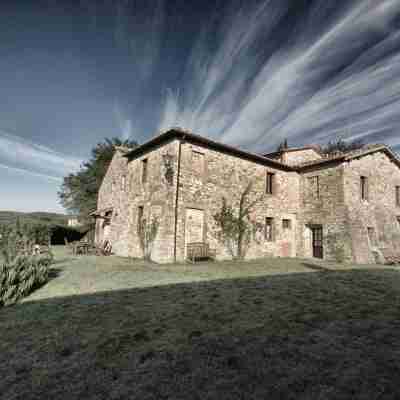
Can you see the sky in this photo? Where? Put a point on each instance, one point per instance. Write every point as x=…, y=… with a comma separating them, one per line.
x=249, y=73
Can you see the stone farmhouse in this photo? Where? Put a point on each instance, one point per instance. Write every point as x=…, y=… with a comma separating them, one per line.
x=344, y=207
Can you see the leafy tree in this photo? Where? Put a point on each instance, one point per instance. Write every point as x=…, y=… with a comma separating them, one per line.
x=341, y=146
x=236, y=227
x=79, y=190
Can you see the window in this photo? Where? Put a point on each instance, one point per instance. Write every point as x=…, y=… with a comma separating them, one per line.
x=269, y=226
x=123, y=183
x=286, y=224
x=313, y=184
x=198, y=163
x=144, y=170
x=364, y=187
x=398, y=220
x=107, y=218
x=371, y=236
x=140, y=219
x=398, y=196
x=269, y=188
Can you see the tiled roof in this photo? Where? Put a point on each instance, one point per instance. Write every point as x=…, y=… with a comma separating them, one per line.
x=179, y=133
x=350, y=155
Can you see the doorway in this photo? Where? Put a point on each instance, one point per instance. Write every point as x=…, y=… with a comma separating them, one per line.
x=194, y=226
x=317, y=241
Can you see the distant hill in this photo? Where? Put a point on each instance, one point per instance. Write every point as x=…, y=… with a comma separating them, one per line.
x=9, y=217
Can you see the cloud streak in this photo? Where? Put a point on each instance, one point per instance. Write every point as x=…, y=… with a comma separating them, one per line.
x=335, y=75
x=20, y=154
x=30, y=173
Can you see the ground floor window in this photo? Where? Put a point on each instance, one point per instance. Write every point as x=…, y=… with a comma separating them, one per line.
x=371, y=236
x=269, y=228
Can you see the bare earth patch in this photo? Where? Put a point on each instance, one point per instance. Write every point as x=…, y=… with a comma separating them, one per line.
x=270, y=329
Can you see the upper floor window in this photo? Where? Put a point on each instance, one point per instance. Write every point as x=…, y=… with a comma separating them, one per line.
x=364, y=188
x=269, y=228
x=144, y=170
x=198, y=162
x=269, y=187
x=398, y=196
x=313, y=183
x=286, y=224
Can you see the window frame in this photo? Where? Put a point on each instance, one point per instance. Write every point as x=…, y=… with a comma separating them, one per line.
x=140, y=213
x=364, y=189
x=270, y=183
x=145, y=165
x=397, y=195
x=316, y=190
x=269, y=222
x=289, y=224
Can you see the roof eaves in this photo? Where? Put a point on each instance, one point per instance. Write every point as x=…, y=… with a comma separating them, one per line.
x=179, y=133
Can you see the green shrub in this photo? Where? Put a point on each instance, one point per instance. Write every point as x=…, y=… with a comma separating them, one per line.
x=22, y=275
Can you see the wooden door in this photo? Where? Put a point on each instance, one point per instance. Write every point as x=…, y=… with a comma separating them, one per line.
x=194, y=226
x=317, y=242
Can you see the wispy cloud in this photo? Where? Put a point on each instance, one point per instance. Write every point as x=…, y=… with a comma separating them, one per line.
x=30, y=173
x=335, y=75
x=124, y=123
x=21, y=154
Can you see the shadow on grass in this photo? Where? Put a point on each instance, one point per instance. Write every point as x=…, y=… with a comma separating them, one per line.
x=299, y=336
x=316, y=267
x=53, y=273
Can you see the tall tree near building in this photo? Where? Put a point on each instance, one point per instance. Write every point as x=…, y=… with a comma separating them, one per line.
x=78, y=193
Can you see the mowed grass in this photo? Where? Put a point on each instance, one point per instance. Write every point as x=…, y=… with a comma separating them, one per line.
x=271, y=329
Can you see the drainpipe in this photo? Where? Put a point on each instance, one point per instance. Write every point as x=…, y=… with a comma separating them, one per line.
x=177, y=196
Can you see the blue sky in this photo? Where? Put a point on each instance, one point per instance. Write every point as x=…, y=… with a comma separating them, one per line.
x=248, y=73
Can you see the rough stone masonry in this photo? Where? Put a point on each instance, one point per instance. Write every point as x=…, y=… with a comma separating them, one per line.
x=343, y=208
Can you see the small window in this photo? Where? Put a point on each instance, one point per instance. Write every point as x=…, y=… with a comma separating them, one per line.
x=269, y=187
x=398, y=196
x=269, y=226
x=198, y=163
x=144, y=170
x=140, y=218
x=364, y=187
x=108, y=217
x=398, y=220
x=123, y=183
x=313, y=184
x=371, y=236
x=286, y=224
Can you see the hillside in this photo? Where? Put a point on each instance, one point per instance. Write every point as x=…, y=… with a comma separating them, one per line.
x=7, y=217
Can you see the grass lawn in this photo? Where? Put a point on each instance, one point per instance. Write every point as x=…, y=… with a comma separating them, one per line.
x=113, y=328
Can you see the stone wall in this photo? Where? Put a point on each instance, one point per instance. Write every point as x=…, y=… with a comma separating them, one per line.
x=208, y=175
x=322, y=203
x=299, y=156
x=157, y=197
x=113, y=195
x=379, y=211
